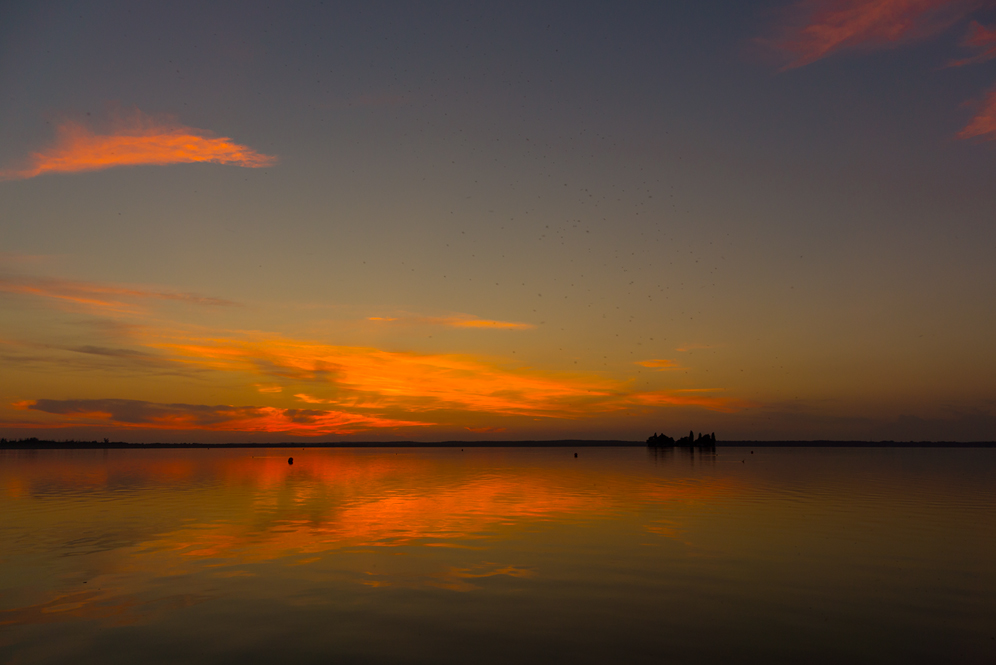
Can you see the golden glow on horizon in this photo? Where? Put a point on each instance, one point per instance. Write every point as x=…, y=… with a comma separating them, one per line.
x=369, y=380
x=138, y=140
x=344, y=389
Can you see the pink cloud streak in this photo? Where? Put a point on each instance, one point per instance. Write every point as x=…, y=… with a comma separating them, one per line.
x=983, y=125
x=835, y=25
x=979, y=37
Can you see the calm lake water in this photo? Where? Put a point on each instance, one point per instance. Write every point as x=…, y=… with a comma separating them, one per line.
x=498, y=555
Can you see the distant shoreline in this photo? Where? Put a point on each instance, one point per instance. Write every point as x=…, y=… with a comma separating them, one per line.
x=560, y=443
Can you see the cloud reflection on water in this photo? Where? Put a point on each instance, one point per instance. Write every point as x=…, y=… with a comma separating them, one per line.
x=146, y=522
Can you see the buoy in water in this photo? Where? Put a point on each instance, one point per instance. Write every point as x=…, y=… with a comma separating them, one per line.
x=290, y=460
x=575, y=454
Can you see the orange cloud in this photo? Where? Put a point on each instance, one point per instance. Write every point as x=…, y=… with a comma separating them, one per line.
x=485, y=323
x=829, y=26
x=136, y=414
x=372, y=378
x=983, y=125
x=979, y=37
x=369, y=377
x=311, y=400
x=133, y=141
x=660, y=364
x=101, y=297
x=457, y=321
x=363, y=377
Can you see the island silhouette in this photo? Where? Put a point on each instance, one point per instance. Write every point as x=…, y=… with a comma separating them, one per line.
x=705, y=441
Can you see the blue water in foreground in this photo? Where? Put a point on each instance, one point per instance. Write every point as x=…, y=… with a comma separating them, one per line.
x=498, y=555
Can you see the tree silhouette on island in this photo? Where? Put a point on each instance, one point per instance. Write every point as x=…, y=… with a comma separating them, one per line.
x=664, y=441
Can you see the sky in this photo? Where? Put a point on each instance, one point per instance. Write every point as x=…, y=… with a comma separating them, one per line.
x=433, y=221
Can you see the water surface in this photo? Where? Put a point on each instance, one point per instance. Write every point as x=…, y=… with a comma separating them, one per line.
x=498, y=555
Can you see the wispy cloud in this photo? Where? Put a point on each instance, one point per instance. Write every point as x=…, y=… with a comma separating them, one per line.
x=983, y=125
x=660, y=364
x=309, y=399
x=692, y=347
x=981, y=38
x=96, y=296
x=59, y=358
x=455, y=321
x=822, y=27
x=136, y=414
x=819, y=28
x=133, y=139
x=694, y=397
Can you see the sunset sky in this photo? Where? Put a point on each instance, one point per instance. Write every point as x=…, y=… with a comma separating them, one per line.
x=494, y=221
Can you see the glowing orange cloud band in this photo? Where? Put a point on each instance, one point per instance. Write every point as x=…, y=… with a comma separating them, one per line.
x=140, y=140
x=372, y=378
x=369, y=377
x=344, y=389
x=834, y=25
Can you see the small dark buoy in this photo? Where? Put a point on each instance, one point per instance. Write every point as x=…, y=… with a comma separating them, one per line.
x=290, y=460
x=575, y=454
x=752, y=452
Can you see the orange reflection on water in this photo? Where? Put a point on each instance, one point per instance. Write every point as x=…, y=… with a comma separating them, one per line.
x=134, y=517
x=348, y=498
